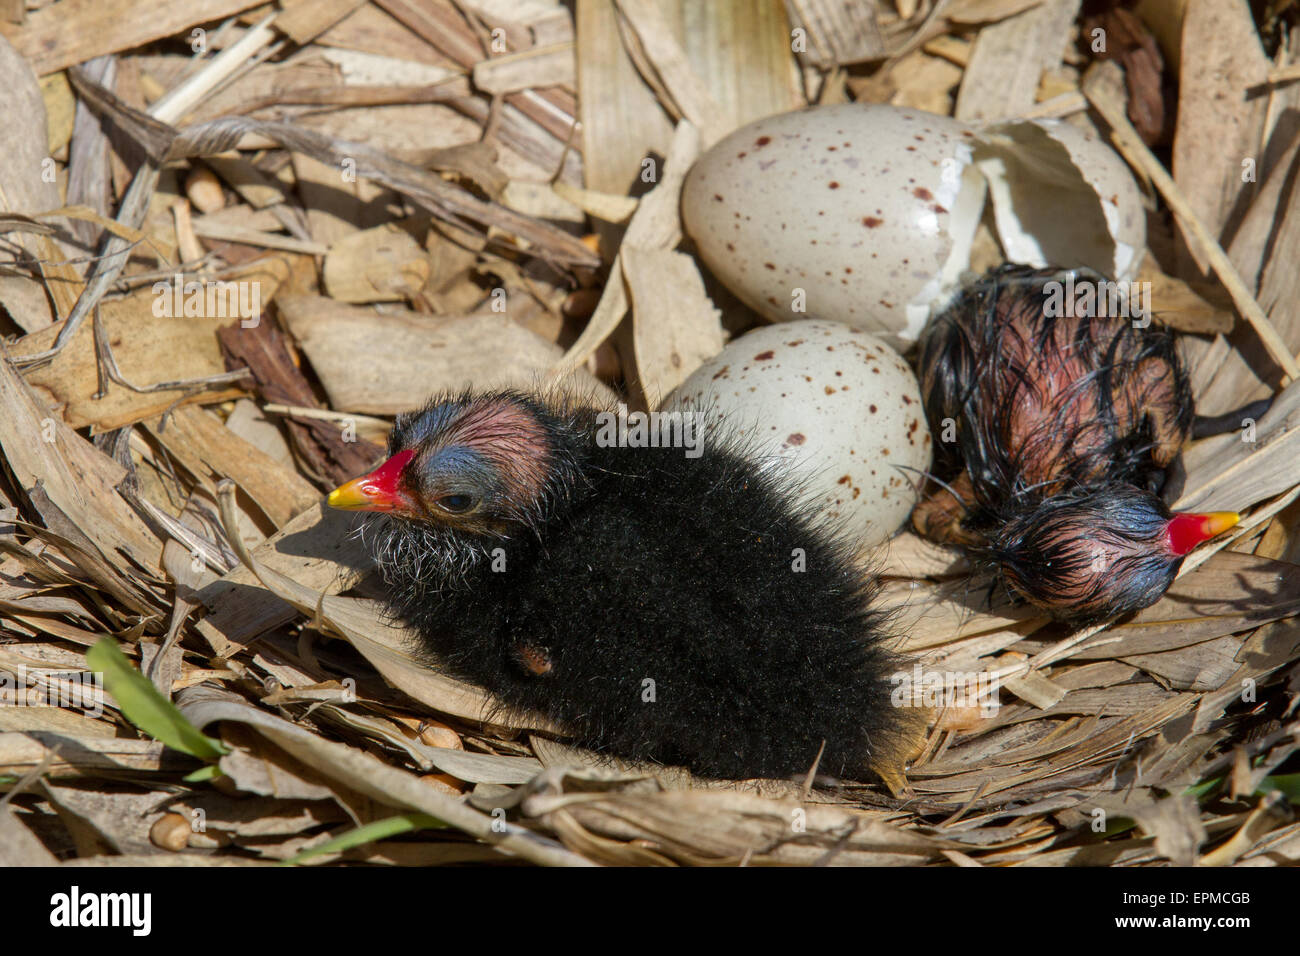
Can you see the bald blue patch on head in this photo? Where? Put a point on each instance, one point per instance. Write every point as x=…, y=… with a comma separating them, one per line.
x=456, y=469
x=416, y=428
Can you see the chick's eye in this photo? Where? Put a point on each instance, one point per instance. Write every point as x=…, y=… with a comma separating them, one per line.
x=456, y=504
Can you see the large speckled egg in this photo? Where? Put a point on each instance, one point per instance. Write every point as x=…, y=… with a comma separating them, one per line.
x=846, y=212
x=865, y=214
x=835, y=404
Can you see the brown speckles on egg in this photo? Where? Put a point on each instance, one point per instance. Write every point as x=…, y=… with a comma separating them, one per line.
x=764, y=355
x=826, y=396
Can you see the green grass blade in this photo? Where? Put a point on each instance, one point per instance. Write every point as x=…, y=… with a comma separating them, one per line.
x=147, y=709
x=203, y=774
x=378, y=830
x=1288, y=783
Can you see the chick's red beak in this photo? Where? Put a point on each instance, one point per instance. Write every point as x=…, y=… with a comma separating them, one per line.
x=1186, y=531
x=377, y=491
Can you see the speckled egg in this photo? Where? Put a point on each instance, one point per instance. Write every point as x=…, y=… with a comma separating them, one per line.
x=847, y=212
x=837, y=403
x=866, y=214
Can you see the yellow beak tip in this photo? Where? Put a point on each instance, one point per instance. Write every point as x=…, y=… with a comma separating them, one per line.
x=1223, y=520
x=349, y=497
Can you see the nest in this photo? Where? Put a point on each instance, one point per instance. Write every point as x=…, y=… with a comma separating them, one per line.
x=413, y=196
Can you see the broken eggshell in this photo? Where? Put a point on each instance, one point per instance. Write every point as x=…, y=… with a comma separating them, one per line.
x=865, y=214
x=836, y=404
x=1062, y=197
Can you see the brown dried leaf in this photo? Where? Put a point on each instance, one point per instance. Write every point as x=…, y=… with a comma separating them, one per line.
x=1222, y=59
x=1009, y=58
x=27, y=181
x=264, y=351
x=199, y=440
x=409, y=357
x=675, y=324
x=371, y=777
x=383, y=264
x=1246, y=466
x=148, y=349
x=75, y=476
x=838, y=31
x=74, y=31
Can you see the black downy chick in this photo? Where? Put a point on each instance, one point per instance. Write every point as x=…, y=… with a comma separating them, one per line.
x=1064, y=424
x=659, y=605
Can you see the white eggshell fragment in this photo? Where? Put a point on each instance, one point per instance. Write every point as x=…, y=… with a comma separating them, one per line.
x=1062, y=197
x=835, y=404
x=858, y=213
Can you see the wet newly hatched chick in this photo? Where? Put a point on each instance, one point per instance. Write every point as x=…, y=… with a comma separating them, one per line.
x=658, y=604
x=1055, y=427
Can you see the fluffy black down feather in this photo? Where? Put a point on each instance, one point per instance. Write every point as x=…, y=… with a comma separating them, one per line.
x=659, y=607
